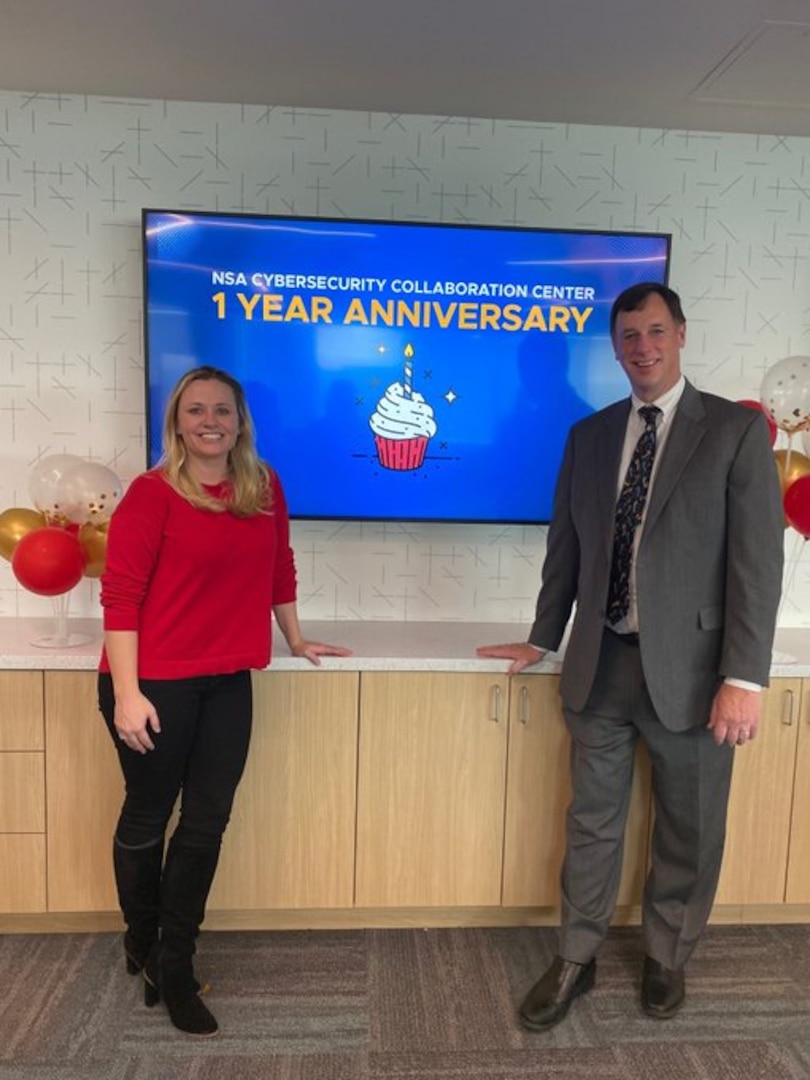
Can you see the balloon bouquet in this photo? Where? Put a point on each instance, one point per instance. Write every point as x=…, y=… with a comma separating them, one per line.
x=65, y=538
x=785, y=399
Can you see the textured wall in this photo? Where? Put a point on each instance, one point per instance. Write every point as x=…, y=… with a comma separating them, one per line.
x=75, y=172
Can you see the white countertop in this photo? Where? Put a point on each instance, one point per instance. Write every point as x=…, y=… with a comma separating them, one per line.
x=376, y=646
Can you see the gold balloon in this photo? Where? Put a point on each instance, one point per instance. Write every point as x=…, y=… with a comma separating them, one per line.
x=15, y=523
x=790, y=471
x=93, y=539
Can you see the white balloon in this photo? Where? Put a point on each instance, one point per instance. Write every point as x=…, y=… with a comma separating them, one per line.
x=785, y=393
x=89, y=492
x=45, y=478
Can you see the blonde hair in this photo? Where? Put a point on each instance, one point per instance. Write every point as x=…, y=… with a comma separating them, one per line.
x=249, y=476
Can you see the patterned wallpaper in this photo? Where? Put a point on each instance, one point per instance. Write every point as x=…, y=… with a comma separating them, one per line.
x=75, y=172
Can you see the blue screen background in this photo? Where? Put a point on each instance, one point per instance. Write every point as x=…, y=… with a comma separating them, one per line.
x=502, y=400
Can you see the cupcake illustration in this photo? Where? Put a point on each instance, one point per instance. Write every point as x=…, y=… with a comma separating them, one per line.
x=402, y=423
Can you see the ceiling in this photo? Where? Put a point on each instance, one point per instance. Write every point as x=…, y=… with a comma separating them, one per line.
x=713, y=65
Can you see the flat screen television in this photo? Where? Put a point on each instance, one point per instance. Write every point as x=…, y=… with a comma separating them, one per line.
x=395, y=371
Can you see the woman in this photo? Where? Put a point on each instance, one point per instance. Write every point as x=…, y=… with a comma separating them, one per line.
x=198, y=555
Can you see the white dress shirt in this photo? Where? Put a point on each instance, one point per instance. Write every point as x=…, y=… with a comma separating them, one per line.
x=667, y=403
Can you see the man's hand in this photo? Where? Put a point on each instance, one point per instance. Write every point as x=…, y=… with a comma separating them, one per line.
x=735, y=715
x=521, y=653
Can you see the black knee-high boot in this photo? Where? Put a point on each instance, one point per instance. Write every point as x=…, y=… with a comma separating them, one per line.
x=137, y=878
x=169, y=972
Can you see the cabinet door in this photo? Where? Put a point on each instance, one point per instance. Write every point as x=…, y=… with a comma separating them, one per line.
x=290, y=842
x=538, y=793
x=431, y=785
x=21, y=721
x=84, y=795
x=22, y=792
x=798, y=877
x=755, y=860
x=22, y=880
x=22, y=762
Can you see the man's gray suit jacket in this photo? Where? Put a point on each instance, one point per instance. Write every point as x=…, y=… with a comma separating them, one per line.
x=709, y=564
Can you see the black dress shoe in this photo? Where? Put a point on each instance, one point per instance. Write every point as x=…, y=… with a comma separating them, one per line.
x=662, y=989
x=550, y=998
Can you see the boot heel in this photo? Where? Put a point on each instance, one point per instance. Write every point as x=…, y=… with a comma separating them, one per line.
x=133, y=967
x=136, y=953
x=151, y=994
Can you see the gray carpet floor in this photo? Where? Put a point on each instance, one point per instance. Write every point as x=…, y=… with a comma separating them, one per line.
x=404, y=1005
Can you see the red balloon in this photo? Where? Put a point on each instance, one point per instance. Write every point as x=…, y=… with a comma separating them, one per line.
x=48, y=561
x=772, y=428
x=797, y=506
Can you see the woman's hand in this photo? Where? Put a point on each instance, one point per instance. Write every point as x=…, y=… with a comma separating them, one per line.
x=314, y=650
x=134, y=716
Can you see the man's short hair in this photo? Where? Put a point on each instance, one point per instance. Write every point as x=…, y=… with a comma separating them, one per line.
x=636, y=297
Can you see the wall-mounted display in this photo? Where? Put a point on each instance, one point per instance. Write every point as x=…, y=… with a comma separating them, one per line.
x=395, y=370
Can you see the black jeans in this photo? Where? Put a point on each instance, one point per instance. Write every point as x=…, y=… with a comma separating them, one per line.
x=200, y=751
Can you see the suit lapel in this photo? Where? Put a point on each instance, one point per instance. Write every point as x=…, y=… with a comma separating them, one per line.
x=607, y=455
x=688, y=429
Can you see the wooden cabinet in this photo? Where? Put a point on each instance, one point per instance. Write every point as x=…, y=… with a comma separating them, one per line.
x=291, y=840
x=537, y=795
x=290, y=843
x=431, y=787
x=84, y=795
x=759, y=811
x=798, y=876
x=22, y=793
x=380, y=790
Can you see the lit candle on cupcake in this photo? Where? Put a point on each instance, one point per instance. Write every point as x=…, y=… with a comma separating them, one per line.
x=402, y=422
x=407, y=386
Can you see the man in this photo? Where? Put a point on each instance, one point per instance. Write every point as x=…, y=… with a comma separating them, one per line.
x=667, y=534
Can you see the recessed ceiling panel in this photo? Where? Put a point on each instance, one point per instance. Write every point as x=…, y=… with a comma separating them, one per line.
x=770, y=66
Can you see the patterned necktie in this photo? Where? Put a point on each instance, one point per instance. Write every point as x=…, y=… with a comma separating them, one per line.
x=629, y=512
